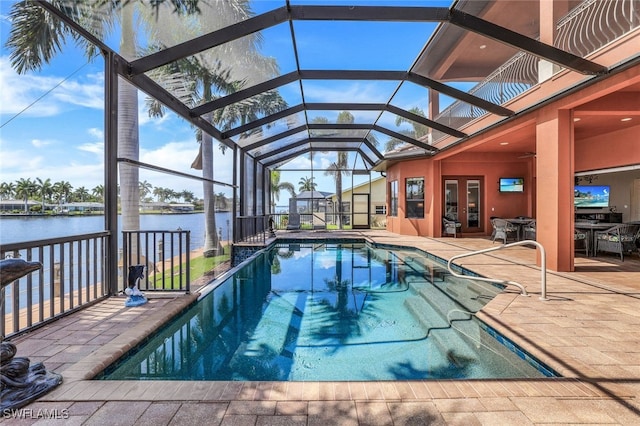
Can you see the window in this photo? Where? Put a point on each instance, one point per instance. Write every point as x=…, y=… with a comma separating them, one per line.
x=393, y=198
x=381, y=210
x=415, y=197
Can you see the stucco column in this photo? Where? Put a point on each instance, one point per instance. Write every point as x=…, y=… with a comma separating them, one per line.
x=555, y=179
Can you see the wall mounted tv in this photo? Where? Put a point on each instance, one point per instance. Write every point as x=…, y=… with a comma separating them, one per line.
x=511, y=185
x=591, y=196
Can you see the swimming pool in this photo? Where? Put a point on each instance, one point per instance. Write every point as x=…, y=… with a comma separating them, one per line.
x=332, y=311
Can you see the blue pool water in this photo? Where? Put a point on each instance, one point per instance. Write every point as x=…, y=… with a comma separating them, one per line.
x=323, y=311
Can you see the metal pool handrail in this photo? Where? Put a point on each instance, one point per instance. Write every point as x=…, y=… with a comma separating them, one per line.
x=543, y=267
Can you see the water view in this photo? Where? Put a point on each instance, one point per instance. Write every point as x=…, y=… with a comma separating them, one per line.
x=27, y=228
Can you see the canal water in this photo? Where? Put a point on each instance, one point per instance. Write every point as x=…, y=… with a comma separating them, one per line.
x=15, y=229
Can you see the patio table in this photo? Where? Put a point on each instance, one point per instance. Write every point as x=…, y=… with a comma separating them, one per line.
x=520, y=224
x=591, y=229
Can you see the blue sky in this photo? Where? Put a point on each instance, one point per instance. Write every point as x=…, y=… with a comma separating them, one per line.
x=52, y=120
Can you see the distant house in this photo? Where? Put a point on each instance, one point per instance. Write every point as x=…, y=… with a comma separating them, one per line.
x=153, y=206
x=311, y=201
x=354, y=203
x=311, y=207
x=157, y=206
x=16, y=205
x=86, y=207
x=181, y=207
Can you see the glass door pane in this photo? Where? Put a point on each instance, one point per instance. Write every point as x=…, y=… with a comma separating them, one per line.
x=451, y=199
x=473, y=203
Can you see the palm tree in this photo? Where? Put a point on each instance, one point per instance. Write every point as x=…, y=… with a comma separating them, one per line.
x=187, y=196
x=45, y=189
x=306, y=184
x=277, y=186
x=98, y=193
x=25, y=188
x=145, y=189
x=419, y=131
x=212, y=74
x=36, y=37
x=339, y=167
x=7, y=190
x=62, y=191
x=81, y=194
x=161, y=194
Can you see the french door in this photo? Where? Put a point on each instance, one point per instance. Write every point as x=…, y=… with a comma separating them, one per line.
x=463, y=201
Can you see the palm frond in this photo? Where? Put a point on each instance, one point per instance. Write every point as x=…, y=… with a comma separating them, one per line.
x=35, y=37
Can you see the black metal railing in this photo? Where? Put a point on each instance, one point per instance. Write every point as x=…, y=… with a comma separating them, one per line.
x=166, y=256
x=252, y=229
x=72, y=276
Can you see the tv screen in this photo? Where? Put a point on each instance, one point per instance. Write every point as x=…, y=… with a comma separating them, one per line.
x=591, y=196
x=511, y=185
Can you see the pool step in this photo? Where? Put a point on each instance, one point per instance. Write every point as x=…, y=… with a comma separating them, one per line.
x=472, y=295
x=435, y=311
x=427, y=268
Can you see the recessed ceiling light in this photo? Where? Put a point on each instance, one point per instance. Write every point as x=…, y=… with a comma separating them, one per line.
x=626, y=119
x=576, y=119
x=504, y=143
x=483, y=46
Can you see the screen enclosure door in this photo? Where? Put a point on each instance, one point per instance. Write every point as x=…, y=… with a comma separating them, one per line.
x=361, y=211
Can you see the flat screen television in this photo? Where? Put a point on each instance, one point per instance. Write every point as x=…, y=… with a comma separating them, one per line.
x=591, y=196
x=511, y=185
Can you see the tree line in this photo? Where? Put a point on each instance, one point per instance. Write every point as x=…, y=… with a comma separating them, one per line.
x=48, y=192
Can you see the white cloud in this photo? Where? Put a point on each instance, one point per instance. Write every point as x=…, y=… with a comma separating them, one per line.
x=27, y=94
x=96, y=132
x=302, y=163
x=40, y=143
x=176, y=156
x=18, y=164
x=93, y=147
x=173, y=155
x=353, y=93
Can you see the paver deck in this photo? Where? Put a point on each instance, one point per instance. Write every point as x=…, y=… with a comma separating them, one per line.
x=588, y=330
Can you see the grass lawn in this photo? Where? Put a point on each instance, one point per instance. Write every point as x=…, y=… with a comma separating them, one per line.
x=199, y=267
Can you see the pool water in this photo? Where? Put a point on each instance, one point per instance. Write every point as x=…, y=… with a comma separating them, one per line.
x=332, y=311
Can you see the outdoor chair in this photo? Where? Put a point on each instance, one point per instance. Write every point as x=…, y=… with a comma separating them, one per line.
x=530, y=231
x=503, y=230
x=617, y=239
x=450, y=226
x=581, y=241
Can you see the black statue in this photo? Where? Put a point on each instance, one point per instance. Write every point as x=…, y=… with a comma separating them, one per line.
x=20, y=381
x=136, y=297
